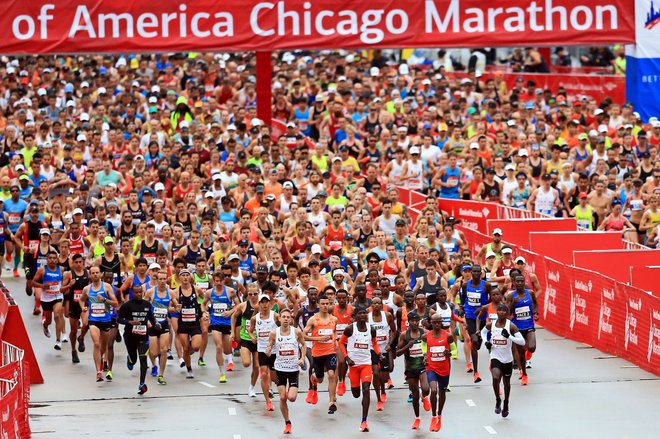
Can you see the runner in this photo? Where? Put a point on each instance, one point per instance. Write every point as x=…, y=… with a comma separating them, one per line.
x=49, y=280
x=410, y=345
x=220, y=303
x=242, y=332
x=503, y=333
x=383, y=323
x=160, y=338
x=302, y=317
x=356, y=344
x=438, y=366
x=134, y=315
x=75, y=281
x=286, y=340
x=262, y=323
x=525, y=311
x=322, y=327
x=27, y=238
x=98, y=297
x=186, y=305
x=344, y=312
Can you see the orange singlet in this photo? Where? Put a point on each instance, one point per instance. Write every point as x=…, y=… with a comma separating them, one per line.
x=321, y=348
x=343, y=319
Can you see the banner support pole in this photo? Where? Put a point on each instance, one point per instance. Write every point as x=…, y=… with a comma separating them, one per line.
x=264, y=92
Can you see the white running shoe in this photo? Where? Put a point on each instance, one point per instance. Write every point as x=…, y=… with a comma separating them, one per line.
x=528, y=364
x=190, y=375
x=65, y=339
x=251, y=392
x=58, y=345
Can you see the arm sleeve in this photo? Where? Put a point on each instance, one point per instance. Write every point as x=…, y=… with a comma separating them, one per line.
x=374, y=343
x=484, y=333
x=517, y=339
x=342, y=344
x=122, y=313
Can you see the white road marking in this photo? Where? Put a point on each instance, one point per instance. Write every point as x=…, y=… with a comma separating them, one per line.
x=205, y=384
x=232, y=411
x=489, y=429
x=470, y=403
x=237, y=436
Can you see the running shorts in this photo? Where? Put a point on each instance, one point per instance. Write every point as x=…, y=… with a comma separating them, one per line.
x=524, y=332
x=284, y=378
x=249, y=345
x=471, y=326
x=442, y=380
x=224, y=329
x=413, y=373
x=48, y=306
x=360, y=374
x=322, y=363
x=164, y=329
x=505, y=368
x=265, y=360
x=103, y=326
x=190, y=329
x=384, y=364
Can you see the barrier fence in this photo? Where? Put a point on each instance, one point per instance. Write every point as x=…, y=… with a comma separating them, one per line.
x=15, y=393
x=576, y=303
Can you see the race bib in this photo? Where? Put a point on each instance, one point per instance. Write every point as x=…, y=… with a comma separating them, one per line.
x=14, y=218
x=219, y=308
x=357, y=345
x=140, y=329
x=150, y=257
x=380, y=338
x=326, y=332
x=98, y=309
x=263, y=334
x=54, y=288
x=523, y=313
x=33, y=245
x=77, y=294
x=416, y=351
x=437, y=353
x=501, y=342
x=285, y=352
x=474, y=299
x=188, y=314
x=160, y=313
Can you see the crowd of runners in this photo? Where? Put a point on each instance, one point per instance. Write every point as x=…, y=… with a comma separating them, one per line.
x=143, y=193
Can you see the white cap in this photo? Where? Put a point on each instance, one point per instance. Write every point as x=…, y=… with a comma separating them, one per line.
x=84, y=117
x=121, y=62
x=256, y=122
x=637, y=115
x=287, y=185
x=598, y=111
x=497, y=231
x=510, y=167
x=291, y=125
x=263, y=296
x=404, y=69
x=523, y=152
x=319, y=98
x=490, y=254
x=231, y=127
x=602, y=128
x=593, y=133
x=77, y=211
x=426, y=82
x=44, y=231
x=217, y=176
x=520, y=259
x=332, y=89
x=112, y=185
x=567, y=164
x=11, y=70
x=316, y=249
x=41, y=92
x=655, y=124
x=184, y=124
x=153, y=100
x=81, y=138
x=474, y=145
x=466, y=81
x=209, y=194
x=155, y=89
x=374, y=71
x=341, y=78
x=511, y=123
x=154, y=266
x=135, y=84
x=70, y=104
x=84, y=84
x=159, y=187
x=350, y=58
x=402, y=129
x=414, y=150
x=102, y=90
x=20, y=167
x=105, y=126
x=507, y=250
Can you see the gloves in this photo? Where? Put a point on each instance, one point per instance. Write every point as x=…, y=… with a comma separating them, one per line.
x=489, y=345
x=505, y=333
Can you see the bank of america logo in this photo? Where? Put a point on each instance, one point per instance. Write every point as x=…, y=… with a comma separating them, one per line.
x=652, y=18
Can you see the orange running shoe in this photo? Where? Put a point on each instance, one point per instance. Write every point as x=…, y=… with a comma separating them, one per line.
x=523, y=381
x=230, y=367
x=315, y=397
x=432, y=426
x=287, y=429
x=310, y=397
x=426, y=403
x=528, y=355
x=438, y=423
x=469, y=368
x=364, y=427
x=380, y=406
x=415, y=425
x=390, y=385
x=313, y=380
x=341, y=388
x=383, y=397
x=477, y=378
x=270, y=407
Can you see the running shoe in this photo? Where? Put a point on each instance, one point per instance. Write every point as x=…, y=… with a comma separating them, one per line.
x=190, y=375
x=182, y=363
x=46, y=331
x=154, y=371
x=223, y=378
x=390, y=385
x=310, y=397
x=448, y=388
x=65, y=339
x=108, y=375
x=364, y=427
x=81, y=343
x=410, y=398
x=528, y=364
x=118, y=337
x=469, y=368
x=58, y=345
x=74, y=357
x=270, y=407
x=142, y=389
x=415, y=425
x=505, y=409
x=287, y=429
x=201, y=362
x=432, y=426
x=251, y=392
x=230, y=367
x=169, y=355
x=383, y=397
x=99, y=377
x=528, y=355
x=380, y=406
x=426, y=403
x=523, y=381
x=498, y=406
x=477, y=378
x=15, y=272
x=161, y=380
x=315, y=399
x=438, y=423
x=341, y=388
x=332, y=408
x=129, y=365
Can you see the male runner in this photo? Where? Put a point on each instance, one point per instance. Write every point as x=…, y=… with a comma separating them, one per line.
x=320, y=330
x=261, y=324
x=49, y=280
x=134, y=315
x=438, y=366
x=303, y=315
x=159, y=338
x=98, y=297
x=241, y=332
x=288, y=361
x=383, y=323
x=525, y=311
x=75, y=281
x=410, y=345
x=186, y=305
x=343, y=311
x=502, y=334
x=355, y=345
x=474, y=293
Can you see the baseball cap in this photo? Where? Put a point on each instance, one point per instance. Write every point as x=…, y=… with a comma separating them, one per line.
x=507, y=250
x=316, y=249
x=262, y=269
x=510, y=167
x=233, y=257
x=546, y=176
x=159, y=187
x=244, y=242
x=583, y=136
x=335, y=245
x=108, y=240
x=338, y=272
x=474, y=145
x=77, y=211
x=24, y=177
x=582, y=195
x=466, y=267
x=602, y=128
x=263, y=297
x=497, y=231
x=520, y=259
x=598, y=111
x=523, y=152
x=154, y=266
x=44, y=231
x=490, y=254
x=414, y=150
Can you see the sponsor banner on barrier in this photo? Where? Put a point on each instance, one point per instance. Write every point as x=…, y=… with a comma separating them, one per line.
x=610, y=314
x=473, y=214
x=634, y=343
x=67, y=26
x=643, y=60
x=554, y=305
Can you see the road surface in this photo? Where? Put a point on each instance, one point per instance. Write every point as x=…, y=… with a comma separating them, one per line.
x=574, y=392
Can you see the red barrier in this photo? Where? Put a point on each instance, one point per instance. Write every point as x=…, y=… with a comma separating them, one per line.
x=14, y=393
x=473, y=214
x=517, y=231
x=615, y=263
x=646, y=278
x=4, y=310
x=18, y=336
x=560, y=245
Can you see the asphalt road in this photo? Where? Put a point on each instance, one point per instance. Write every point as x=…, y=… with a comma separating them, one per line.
x=574, y=392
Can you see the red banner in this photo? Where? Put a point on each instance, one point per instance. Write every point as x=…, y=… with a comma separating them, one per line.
x=4, y=310
x=65, y=26
x=473, y=214
x=560, y=245
x=646, y=278
x=615, y=263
